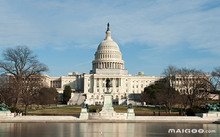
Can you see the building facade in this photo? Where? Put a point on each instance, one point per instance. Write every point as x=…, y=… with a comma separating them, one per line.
x=125, y=88
x=108, y=63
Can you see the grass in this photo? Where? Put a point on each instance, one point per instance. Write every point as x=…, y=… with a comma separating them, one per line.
x=70, y=110
x=75, y=110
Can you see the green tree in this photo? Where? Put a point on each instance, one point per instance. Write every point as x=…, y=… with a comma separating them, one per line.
x=66, y=94
x=47, y=96
x=161, y=94
x=150, y=94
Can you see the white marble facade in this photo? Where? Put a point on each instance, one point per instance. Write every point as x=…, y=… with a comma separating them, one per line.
x=108, y=63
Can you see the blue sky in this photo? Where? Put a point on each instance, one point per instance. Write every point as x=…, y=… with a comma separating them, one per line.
x=151, y=34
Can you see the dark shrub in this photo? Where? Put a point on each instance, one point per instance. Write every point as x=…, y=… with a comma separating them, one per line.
x=14, y=109
x=193, y=110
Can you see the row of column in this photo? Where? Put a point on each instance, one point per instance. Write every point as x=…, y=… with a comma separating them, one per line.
x=55, y=84
x=102, y=96
x=109, y=65
x=116, y=82
x=102, y=56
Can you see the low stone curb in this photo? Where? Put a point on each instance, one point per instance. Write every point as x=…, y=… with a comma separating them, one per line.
x=139, y=119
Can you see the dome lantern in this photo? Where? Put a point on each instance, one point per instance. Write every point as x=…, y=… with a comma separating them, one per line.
x=108, y=33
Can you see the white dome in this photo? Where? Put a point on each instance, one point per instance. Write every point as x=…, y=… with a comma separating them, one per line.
x=108, y=50
x=108, y=45
x=108, y=55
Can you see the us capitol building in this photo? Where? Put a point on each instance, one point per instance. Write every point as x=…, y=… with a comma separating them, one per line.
x=108, y=63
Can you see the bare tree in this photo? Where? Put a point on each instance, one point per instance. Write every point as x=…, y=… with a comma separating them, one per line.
x=215, y=81
x=5, y=94
x=30, y=91
x=169, y=74
x=216, y=76
x=170, y=96
x=20, y=64
x=193, y=85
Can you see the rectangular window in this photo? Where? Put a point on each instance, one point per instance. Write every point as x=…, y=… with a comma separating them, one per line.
x=117, y=82
x=97, y=82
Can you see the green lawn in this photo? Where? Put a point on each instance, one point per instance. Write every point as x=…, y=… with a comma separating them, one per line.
x=69, y=110
x=75, y=110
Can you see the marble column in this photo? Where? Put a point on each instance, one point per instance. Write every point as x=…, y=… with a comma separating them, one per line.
x=113, y=83
x=94, y=86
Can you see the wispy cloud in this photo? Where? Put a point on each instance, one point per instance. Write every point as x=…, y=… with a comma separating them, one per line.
x=154, y=23
x=159, y=25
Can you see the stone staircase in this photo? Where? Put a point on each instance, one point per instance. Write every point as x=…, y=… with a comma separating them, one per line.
x=76, y=99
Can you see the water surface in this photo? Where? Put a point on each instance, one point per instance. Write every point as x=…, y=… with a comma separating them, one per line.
x=104, y=129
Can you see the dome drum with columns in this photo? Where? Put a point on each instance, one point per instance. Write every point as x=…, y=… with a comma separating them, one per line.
x=108, y=56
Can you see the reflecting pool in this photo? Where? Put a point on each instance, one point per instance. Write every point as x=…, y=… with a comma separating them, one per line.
x=108, y=130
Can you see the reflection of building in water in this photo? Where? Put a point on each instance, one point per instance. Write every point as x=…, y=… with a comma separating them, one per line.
x=211, y=128
x=107, y=129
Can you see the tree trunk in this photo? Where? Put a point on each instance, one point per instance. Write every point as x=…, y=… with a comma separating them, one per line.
x=18, y=90
x=15, y=103
x=26, y=109
x=191, y=104
x=170, y=110
x=166, y=109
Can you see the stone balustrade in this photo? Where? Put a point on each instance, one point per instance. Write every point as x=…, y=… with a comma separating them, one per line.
x=109, y=116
